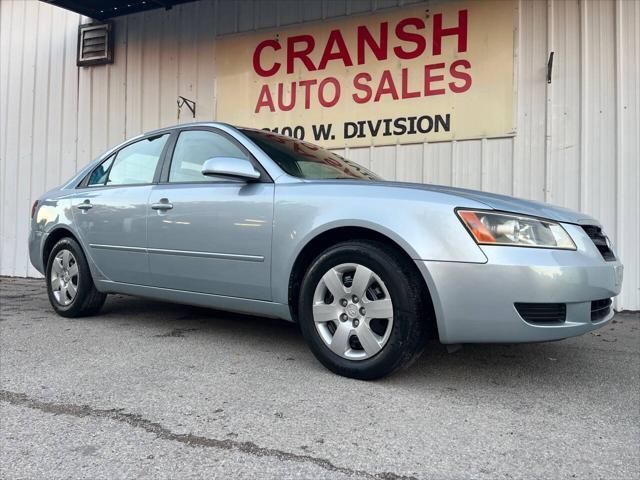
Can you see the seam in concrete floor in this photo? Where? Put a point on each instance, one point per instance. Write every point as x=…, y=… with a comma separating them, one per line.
x=137, y=421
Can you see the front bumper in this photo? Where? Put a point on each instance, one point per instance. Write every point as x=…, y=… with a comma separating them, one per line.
x=474, y=303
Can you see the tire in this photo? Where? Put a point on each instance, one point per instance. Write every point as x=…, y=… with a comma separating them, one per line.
x=393, y=282
x=68, y=271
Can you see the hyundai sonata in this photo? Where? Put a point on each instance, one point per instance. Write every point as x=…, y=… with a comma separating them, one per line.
x=250, y=221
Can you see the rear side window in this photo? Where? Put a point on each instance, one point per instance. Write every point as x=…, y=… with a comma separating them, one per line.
x=193, y=148
x=134, y=164
x=137, y=162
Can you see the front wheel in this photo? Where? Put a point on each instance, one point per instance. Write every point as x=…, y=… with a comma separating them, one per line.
x=70, y=286
x=361, y=310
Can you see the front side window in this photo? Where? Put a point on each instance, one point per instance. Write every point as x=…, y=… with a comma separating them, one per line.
x=99, y=174
x=193, y=148
x=135, y=163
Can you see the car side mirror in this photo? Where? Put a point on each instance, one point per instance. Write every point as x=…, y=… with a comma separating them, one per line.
x=229, y=167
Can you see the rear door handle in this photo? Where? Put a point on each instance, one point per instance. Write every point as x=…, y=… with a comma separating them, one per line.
x=163, y=204
x=86, y=205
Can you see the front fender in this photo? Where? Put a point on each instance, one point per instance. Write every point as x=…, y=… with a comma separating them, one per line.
x=422, y=223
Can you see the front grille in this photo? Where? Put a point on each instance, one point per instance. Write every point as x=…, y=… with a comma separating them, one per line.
x=600, y=241
x=600, y=309
x=542, y=312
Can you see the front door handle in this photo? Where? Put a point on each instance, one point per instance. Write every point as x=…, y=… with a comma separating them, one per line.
x=86, y=205
x=163, y=204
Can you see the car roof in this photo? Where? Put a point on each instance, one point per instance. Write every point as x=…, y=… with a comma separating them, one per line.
x=185, y=125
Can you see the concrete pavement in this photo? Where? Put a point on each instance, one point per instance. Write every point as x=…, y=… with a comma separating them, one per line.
x=154, y=390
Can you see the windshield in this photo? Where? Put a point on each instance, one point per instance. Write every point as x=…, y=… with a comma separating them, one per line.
x=305, y=160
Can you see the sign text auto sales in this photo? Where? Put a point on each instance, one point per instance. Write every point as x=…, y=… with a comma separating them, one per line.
x=401, y=76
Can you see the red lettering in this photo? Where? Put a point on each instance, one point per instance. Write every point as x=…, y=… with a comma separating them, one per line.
x=277, y=138
x=292, y=101
x=386, y=87
x=428, y=79
x=359, y=84
x=464, y=76
x=416, y=38
x=321, y=92
x=264, y=99
x=310, y=146
x=405, y=85
x=307, y=91
x=303, y=54
x=460, y=31
x=379, y=49
x=335, y=39
x=331, y=161
x=257, y=67
x=297, y=147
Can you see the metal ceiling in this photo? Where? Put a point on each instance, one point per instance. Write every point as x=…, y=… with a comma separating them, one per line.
x=106, y=9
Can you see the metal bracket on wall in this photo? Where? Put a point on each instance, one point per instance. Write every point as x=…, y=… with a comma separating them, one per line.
x=191, y=105
x=549, y=67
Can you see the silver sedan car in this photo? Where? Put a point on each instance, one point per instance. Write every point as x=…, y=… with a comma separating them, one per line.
x=250, y=221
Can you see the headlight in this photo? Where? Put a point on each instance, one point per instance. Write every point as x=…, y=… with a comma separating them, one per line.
x=492, y=228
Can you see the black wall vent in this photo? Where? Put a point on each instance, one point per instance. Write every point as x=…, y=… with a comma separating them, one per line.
x=95, y=44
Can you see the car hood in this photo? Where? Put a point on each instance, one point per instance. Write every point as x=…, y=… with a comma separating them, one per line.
x=493, y=201
x=509, y=204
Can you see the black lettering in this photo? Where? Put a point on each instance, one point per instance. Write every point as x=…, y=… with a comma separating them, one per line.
x=429, y=120
x=412, y=126
x=298, y=132
x=323, y=131
x=445, y=122
x=350, y=129
x=387, y=125
x=373, y=129
x=399, y=127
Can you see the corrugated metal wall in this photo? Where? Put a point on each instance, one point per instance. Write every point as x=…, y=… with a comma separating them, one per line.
x=577, y=141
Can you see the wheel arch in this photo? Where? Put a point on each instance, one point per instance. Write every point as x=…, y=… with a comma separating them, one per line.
x=335, y=235
x=54, y=237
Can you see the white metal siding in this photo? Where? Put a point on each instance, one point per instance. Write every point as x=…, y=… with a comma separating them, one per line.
x=577, y=141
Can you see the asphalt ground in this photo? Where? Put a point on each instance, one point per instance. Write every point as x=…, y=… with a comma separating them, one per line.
x=154, y=390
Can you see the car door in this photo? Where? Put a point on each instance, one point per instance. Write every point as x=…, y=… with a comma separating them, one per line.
x=110, y=210
x=210, y=235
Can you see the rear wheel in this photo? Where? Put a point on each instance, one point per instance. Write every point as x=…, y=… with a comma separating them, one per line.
x=362, y=310
x=70, y=286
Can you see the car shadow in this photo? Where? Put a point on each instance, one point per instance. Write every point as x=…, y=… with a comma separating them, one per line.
x=482, y=366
